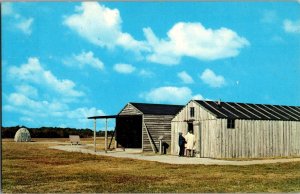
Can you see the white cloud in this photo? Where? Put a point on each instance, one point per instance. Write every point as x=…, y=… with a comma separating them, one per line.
x=21, y=23
x=291, y=26
x=37, y=108
x=19, y=102
x=213, y=80
x=25, y=25
x=85, y=59
x=27, y=90
x=185, y=77
x=101, y=26
x=193, y=40
x=6, y=9
x=198, y=97
x=170, y=94
x=18, y=99
x=33, y=72
x=124, y=68
x=81, y=114
x=44, y=111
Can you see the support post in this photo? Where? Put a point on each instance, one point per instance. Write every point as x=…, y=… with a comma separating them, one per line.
x=160, y=147
x=95, y=134
x=116, y=143
x=105, y=136
x=111, y=139
x=160, y=138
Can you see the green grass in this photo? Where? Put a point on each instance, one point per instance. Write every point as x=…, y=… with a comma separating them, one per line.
x=29, y=167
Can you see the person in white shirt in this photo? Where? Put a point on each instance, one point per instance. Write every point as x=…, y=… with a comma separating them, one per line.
x=190, y=143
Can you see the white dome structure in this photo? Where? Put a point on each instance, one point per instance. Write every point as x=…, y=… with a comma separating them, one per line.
x=22, y=135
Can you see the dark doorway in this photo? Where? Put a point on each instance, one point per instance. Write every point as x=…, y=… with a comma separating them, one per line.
x=129, y=131
x=191, y=127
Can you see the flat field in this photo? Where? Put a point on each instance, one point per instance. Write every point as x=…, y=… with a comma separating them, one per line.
x=33, y=168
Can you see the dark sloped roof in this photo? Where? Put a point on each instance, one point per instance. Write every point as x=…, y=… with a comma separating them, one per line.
x=234, y=110
x=157, y=109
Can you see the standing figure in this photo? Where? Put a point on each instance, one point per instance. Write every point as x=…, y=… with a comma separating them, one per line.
x=190, y=143
x=181, y=143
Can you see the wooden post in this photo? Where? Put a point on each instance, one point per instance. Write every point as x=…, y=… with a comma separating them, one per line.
x=160, y=147
x=95, y=134
x=116, y=143
x=105, y=136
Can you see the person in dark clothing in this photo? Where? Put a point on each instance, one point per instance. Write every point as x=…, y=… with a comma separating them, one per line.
x=181, y=144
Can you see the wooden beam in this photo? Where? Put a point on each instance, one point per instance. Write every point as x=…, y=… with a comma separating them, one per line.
x=95, y=134
x=116, y=143
x=150, y=139
x=112, y=136
x=160, y=147
x=105, y=136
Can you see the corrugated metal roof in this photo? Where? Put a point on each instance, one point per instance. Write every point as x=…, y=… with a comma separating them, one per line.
x=233, y=110
x=157, y=109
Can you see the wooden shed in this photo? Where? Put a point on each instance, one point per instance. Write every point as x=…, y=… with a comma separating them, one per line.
x=139, y=125
x=239, y=130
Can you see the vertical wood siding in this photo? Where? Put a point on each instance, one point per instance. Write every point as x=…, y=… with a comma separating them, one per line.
x=249, y=138
x=259, y=138
x=201, y=122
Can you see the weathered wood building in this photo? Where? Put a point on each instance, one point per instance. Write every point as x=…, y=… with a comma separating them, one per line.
x=139, y=125
x=239, y=130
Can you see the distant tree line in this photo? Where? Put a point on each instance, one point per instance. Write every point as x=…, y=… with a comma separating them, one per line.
x=51, y=132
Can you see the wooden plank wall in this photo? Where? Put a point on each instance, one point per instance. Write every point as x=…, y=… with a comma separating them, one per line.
x=129, y=109
x=257, y=139
x=210, y=138
x=157, y=125
x=249, y=138
x=179, y=124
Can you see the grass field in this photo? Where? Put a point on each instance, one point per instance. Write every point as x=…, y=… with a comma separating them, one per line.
x=32, y=167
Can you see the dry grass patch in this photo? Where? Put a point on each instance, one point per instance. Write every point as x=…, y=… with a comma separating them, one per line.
x=268, y=158
x=30, y=167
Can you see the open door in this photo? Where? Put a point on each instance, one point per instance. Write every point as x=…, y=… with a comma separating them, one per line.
x=191, y=127
x=129, y=131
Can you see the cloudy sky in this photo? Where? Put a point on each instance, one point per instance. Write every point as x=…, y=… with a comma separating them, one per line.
x=62, y=62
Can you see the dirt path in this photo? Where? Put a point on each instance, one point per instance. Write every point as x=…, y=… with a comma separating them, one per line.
x=168, y=158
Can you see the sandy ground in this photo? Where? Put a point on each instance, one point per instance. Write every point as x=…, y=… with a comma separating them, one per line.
x=169, y=159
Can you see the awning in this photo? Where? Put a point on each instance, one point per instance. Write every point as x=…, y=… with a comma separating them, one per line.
x=104, y=117
x=111, y=116
x=95, y=126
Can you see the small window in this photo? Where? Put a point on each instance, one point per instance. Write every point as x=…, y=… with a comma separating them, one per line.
x=192, y=111
x=230, y=123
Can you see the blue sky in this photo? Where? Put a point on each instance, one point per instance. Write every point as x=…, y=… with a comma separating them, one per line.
x=65, y=61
